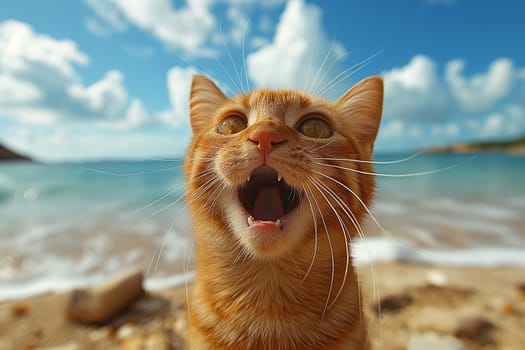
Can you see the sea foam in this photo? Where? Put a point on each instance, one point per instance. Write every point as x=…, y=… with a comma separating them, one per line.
x=374, y=250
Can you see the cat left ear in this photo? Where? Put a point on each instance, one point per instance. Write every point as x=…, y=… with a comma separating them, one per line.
x=363, y=105
x=205, y=98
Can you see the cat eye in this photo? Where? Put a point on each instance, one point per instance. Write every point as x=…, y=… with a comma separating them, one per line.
x=315, y=128
x=232, y=125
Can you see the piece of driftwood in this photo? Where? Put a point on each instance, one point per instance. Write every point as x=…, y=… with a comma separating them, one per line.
x=100, y=303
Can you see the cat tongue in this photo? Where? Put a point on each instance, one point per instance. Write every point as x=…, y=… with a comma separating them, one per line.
x=268, y=205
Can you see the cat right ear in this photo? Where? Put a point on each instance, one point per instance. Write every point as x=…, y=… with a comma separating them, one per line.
x=205, y=98
x=363, y=105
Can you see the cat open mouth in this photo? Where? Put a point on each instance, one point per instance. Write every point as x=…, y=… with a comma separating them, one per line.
x=267, y=197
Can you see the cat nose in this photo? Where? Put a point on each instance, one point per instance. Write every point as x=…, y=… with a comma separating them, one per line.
x=265, y=138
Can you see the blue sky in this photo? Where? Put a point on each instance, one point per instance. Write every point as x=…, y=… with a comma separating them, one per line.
x=109, y=78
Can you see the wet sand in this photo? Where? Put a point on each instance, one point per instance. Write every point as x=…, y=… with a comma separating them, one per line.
x=478, y=308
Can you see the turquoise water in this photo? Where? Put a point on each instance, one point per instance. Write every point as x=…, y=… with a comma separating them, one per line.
x=487, y=175
x=48, y=189
x=65, y=225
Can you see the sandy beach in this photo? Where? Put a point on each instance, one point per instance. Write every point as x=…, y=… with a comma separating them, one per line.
x=478, y=308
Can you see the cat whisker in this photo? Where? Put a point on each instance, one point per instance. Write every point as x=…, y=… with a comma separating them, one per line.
x=215, y=196
x=346, y=209
x=178, y=199
x=374, y=274
x=169, y=160
x=332, y=276
x=308, y=193
x=162, y=197
x=186, y=262
x=244, y=54
x=162, y=239
x=235, y=261
x=323, y=145
x=347, y=73
x=236, y=89
x=239, y=77
x=104, y=172
x=159, y=248
x=314, y=80
x=208, y=146
x=308, y=72
x=402, y=160
x=202, y=159
x=342, y=57
x=196, y=69
x=360, y=231
x=421, y=173
x=346, y=235
x=355, y=222
x=369, y=212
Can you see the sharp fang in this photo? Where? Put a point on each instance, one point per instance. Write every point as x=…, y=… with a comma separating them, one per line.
x=278, y=223
x=248, y=180
x=250, y=220
x=279, y=177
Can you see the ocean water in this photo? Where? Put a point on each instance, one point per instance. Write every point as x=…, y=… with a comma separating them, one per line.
x=69, y=225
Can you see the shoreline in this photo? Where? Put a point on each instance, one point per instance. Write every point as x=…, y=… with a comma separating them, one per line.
x=416, y=299
x=474, y=149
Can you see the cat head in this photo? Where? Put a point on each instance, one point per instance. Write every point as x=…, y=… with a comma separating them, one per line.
x=273, y=168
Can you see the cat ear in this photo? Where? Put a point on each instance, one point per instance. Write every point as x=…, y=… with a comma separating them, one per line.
x=205, y=98
x=362, y=105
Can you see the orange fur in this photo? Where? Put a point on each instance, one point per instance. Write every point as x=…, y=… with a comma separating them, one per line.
x=294, y=288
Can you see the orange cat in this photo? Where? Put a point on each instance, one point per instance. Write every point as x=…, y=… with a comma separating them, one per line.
x=276, y=200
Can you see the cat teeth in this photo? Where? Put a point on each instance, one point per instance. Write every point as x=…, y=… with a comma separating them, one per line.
x=279, y=177
x=248, y=179
x=276, y=223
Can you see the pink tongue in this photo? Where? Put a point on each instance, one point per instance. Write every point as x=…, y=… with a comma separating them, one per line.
x=268, y=205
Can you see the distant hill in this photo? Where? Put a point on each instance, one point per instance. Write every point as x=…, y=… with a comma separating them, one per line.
x=7, y=154
x=514, y=146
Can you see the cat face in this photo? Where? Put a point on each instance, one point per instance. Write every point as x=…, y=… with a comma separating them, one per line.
x=271, y=165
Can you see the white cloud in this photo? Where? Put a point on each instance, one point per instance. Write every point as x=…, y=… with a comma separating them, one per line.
x=110, y=15
x=188, y=27
x=414, y=92
x=22, y=49
x=179, y=84
x=505, y=123
x=39, y=82
x=482, y=91
x=14, y=91
x=240, y=25
x=96, y=28
x=417, y=92
x=300, y=55
x=107, y=94
x=494, y=124
x=449, y=129
x=392, y=129
x=453, y=105
x=191, y=26
x=136, y=114
x=266, y=3
x=258, y=42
